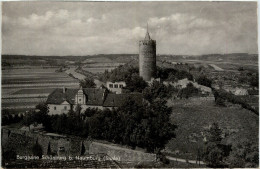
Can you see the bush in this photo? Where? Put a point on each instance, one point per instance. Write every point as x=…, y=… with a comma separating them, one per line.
x=214, y=153
x=220, y=102
x=173, y=74
x=189, y=91
x=87, y=83
x=244, y=154
x=134, y=124
x=203, y=80
x=221, y=94
x=254, y=81
x=157, y=90
x=8, y=155
x=37, y=150
x=128, y=74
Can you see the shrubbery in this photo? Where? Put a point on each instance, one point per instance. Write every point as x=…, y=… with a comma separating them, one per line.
x=158, y=90
x=9, y=119
x=223, y=95
x=203, y=80
x=87, y=83
x=128, y=74
x=241, y=154
x=214, y=152
x=244, y=154
x=173, y=74
x=188, y=91
x=133, y=124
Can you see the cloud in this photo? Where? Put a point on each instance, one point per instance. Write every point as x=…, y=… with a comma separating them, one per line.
x=105, y=28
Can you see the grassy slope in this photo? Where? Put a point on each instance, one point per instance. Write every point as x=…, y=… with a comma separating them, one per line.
x=237, y=123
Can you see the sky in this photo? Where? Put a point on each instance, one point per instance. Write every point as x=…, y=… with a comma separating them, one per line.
x=87, y=28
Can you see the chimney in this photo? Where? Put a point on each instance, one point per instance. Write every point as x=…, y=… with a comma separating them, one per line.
x=64, y=90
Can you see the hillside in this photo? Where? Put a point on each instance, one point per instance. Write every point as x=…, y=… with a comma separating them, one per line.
x=193, y=117
x=123, y=58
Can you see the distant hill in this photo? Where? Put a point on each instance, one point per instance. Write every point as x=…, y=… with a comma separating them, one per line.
x=215, y=57
x=121, y=58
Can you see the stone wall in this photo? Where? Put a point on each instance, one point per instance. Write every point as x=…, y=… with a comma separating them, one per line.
x=23, y=141
x=119, y=153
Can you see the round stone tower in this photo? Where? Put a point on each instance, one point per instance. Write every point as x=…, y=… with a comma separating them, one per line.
x=147, y=57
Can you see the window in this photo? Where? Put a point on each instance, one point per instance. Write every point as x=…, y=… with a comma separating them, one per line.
x=65, y=107
x=116, y=86
x=110, y=85
x=55, y=108
x=79, y=100
x=120, y=86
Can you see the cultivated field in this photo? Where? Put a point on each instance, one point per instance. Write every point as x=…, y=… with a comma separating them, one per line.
x=99, y=65
x=24, y=88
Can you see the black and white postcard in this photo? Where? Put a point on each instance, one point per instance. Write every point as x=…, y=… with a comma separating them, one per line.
x=136, y=84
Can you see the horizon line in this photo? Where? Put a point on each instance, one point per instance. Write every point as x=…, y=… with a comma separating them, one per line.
x=132, y=54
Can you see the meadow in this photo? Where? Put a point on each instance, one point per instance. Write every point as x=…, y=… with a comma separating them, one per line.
x=193, y=118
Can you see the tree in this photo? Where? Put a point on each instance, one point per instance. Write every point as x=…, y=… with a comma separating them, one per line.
x=244, y=154
x=254, y=80
x=49, y=149
x=134, y=124
x=83, y=149
x=9, y=155
x=135, y=83
x=215, y=133
x=37, y=150
x=214, y=152
x=203, y=80
x=213, y=155
x=87, y=83
x=156, y=90
x=188, y=91
x=39, y=115
x=220, y=102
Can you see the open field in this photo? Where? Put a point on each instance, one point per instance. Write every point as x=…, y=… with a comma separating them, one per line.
x=100, y=67
x=33, y=91
x=23, y=88
x=194, y=118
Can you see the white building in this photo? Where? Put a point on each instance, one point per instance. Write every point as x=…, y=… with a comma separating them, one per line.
x=116, y=87
x=63, y=100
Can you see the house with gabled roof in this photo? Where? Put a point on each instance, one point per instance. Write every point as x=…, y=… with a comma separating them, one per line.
x=63, y=100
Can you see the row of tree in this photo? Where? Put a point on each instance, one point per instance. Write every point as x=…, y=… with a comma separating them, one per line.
x=221, y=96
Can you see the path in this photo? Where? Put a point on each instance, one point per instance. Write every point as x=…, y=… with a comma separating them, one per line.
x=75, y=74
x=82, y=77
x=184, y=160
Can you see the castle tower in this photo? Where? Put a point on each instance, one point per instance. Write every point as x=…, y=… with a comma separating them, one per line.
x=147, y=57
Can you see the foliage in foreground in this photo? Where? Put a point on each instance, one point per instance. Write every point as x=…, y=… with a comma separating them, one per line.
x=214, y=153
x=241, y=154
x=244, y=154
x=136, y=125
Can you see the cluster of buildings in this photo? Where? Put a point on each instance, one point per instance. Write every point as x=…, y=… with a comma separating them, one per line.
x=63, y=100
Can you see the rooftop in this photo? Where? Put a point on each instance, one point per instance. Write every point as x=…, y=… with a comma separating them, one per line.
x=94, y=97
